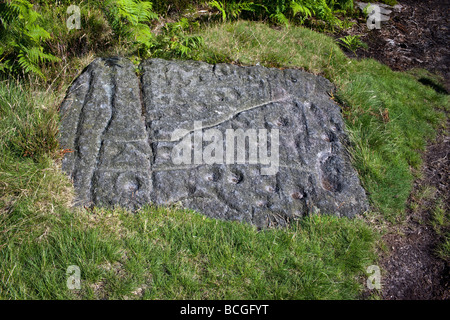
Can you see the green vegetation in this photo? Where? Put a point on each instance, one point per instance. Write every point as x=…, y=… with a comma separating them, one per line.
x=22, y=36
x=441, y=225
x=170, y=253
x=427, y=199
x=388, y=2
x=163, y=253
x=352, y=43
x=175, y=42
x=128, y=20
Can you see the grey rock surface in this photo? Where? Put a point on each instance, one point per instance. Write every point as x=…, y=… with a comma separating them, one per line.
x=124, y=130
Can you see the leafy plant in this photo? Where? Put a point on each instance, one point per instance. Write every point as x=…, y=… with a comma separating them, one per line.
x=340, y=4
x=219, y=6
x=129, y=20
x=352, y=43
x=303, y=9
x=232, y=8
x=21, y=39
x=280, y=18
x=174, y=41
x=169, y=7
x=283, y=11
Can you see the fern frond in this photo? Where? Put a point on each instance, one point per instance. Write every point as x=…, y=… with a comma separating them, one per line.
x=37, y=33
x=279, y=17
x=21, y=37
x=28, y=64
x=7, y=14
x=219, y=6
x=124, y=15
x=183, y=23
x=30, y=58
x=20, y=7
x=144, y=12
x=143, y=36
x=300, y=8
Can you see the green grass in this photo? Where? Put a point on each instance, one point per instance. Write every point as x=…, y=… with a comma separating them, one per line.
x=28, y=123
x=440, y=221
x=162, y=253
x=170, y=253
x=157, y=253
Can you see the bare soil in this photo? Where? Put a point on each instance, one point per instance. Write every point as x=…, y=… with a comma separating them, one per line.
x=416, y=36
x=411, y=269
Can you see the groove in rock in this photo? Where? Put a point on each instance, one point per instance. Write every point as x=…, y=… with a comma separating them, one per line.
x=101, y=148
x=147, y=123
x=80, y=122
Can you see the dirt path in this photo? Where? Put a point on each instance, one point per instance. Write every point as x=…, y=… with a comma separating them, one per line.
x=411, y=269
x=416, y=36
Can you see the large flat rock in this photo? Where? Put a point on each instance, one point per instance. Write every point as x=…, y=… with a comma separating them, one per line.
x=168, y=137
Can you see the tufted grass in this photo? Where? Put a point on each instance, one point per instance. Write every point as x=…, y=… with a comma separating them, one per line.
x=162, y=253
x=440, y=223
x=170, y=253
x=157, y=253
